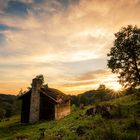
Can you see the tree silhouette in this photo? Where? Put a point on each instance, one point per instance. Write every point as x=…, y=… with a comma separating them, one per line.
x=101, y=93
x=124, y=57
x=40, y=77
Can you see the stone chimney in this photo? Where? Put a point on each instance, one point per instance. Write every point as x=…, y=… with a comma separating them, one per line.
x=35, y=100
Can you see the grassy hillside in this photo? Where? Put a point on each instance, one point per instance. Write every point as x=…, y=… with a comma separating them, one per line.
x=9, y=105
x=123, y=123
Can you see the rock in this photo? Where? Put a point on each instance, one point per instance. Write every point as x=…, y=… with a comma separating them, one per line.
x=7, y=119
x=42, y=132
x=59, y=134
x=80, y=130
x=90, y=111
x=100, y=109
x=73, y=129
x=21, y=138
x=91, y=126
x=81, y=106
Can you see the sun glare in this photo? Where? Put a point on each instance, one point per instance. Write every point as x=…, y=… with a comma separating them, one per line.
x=115, y=86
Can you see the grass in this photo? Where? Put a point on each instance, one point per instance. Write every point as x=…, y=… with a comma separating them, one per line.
x=78, y=126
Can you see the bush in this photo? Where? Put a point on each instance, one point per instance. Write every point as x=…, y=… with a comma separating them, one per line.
x=111, y=132
x=129, y=136
x=132, y=123
x=117, y=112
x=2, y=113
x=98, y=119
x=73, y=107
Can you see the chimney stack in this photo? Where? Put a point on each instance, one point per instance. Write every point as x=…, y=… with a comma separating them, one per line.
x=35, y=100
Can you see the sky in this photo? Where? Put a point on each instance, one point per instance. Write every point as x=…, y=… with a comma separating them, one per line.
x=65, y=40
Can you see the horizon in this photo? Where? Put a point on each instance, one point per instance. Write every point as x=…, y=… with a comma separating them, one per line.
x=65, y=40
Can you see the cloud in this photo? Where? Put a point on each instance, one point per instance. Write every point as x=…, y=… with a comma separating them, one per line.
x=90, y=80
x=27, y=1
x=94, y=74
x=76, y=84
x=67, y=40
x=2, y=39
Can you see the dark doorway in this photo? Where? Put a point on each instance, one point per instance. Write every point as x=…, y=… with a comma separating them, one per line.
x=47, y=108
x=25, y=108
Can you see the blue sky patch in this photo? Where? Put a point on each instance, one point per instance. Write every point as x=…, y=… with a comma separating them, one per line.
x=64, y=2
x=68, y=2
x=39, y=1
x=17, y=8
x=4, y=27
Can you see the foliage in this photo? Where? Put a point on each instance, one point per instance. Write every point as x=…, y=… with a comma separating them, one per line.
x=102, y=93
x=85, y=98
x=98, y=119
x=2, y=113
x=124, y=57
x=9, y=105
x=131, y=90
x=40, y=77
x=78, y=126
x=21, y=92
x=89, y=97
x=133, y=124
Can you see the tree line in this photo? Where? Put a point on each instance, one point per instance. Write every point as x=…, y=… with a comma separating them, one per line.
x=9, y=106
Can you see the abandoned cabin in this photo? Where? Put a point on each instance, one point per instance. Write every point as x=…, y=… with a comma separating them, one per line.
x=43, y=103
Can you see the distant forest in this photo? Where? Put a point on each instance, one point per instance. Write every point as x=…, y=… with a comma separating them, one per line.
x=99, y=95
x=10, y=105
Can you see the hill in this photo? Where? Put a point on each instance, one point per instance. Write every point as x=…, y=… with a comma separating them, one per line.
x=9, y=105
x=117, y=119
x=92, y=96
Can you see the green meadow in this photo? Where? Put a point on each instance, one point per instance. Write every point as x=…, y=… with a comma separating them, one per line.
x=124, y=124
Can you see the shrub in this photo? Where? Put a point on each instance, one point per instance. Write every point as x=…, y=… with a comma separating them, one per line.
x=73, y=107
x=132, y=123
x=98, y=119
x=129, y=136
x=2, y=113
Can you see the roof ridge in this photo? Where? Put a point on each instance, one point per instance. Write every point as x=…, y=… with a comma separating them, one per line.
x=48, y=95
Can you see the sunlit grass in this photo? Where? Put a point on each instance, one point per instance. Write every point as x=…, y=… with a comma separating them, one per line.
x=93, y=127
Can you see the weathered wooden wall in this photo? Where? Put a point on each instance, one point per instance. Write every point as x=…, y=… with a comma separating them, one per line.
x=62, y=110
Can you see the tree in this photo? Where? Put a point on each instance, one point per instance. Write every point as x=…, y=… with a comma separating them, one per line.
x=40, y=77
x=124, y=57
x=101, y=93
x=2, y=113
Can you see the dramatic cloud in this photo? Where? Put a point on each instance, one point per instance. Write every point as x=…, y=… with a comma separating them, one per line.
x=66, y=40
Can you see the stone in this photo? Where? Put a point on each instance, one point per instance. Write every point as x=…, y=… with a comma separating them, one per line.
x=102, y=110
x=21, y=138
x=35, y=100
x=80, y=130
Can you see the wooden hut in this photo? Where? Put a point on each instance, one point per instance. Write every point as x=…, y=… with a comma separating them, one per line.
x=43, y=103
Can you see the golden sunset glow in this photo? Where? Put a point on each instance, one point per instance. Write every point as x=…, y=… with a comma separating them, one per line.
x=65, y=40
x=115, y=86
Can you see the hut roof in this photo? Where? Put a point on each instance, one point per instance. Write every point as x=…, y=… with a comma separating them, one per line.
x=55, y=94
